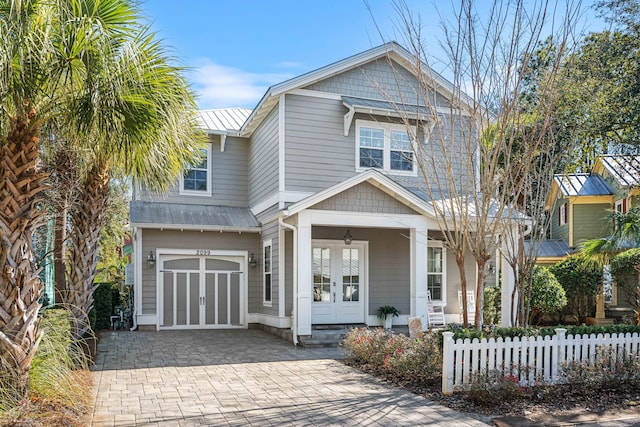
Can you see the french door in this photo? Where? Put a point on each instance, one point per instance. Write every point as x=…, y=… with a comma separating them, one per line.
x=338, y=282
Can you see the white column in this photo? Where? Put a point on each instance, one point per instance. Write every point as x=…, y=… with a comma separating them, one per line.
x=507, y=285
x=304, y=274
x=419, y=271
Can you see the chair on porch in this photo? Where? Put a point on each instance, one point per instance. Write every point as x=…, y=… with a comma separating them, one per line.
x=471, y=303
x=435, y=313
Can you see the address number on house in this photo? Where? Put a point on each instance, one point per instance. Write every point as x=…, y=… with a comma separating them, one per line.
x=203, y=252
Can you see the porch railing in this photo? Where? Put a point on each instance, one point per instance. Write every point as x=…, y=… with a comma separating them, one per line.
x=526, y=360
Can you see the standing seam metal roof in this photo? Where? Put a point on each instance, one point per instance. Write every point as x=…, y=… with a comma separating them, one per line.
x=223, y=120
x=625, y=169
x=582, y=184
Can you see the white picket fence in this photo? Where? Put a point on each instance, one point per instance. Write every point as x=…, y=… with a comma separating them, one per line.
x=525, y=360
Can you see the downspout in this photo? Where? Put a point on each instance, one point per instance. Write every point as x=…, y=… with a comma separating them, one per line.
x=294, y=312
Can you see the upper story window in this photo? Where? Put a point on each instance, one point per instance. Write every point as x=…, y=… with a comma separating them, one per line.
x=562, y=214
x=621, y=206
x=266, y=273
x=384, y=146
x=196, y=179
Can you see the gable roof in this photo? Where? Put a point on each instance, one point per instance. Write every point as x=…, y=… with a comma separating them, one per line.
x=391, y=49
x=373, y=177
x=576, y=184
x=625, y=169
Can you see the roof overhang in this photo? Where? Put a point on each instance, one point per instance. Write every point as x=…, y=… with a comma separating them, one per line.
x=192, y=227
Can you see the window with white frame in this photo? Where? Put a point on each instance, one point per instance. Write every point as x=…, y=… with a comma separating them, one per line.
x=621, y=206
x=266, y=272
x=384, y=146
x=436, y=271
x=562, y=214
x=196, y=179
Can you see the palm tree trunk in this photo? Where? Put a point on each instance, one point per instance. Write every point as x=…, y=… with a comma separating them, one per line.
x=20, y=288
x=88, y=220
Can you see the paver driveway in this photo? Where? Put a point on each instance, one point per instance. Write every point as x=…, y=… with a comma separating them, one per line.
x=244, y=377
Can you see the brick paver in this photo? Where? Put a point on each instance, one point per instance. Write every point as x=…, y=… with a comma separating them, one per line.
x=244, y=377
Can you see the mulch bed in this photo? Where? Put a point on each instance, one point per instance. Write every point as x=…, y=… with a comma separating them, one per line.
x=559, y=399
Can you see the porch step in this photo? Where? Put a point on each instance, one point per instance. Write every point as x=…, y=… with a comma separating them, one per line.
x=325, y=336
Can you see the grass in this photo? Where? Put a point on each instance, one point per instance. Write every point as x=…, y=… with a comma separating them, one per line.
x=59, y=382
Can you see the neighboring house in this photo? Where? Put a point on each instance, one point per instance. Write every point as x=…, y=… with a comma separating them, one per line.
x=307, y=210
x=580, y=207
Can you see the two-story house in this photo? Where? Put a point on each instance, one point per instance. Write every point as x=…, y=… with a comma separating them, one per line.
x=580, y=206
x=307, y=211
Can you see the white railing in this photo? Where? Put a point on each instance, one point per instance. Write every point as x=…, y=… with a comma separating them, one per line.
x=525, y=360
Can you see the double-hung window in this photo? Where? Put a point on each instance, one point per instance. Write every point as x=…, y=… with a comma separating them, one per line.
x=562, y=214
x=384, y=146
x=196, y=180
x=266, y=272
x=436, y=271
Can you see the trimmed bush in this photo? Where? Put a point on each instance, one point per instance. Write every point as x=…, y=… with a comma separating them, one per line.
x=581, y=279
x=547, y=294
x=492, y=305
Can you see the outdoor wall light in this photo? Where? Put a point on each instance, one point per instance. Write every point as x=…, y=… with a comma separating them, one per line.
x=348, y=238
x=151, y=259
x=252, y=261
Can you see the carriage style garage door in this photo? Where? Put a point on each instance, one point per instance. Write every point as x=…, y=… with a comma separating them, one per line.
x=200, y=292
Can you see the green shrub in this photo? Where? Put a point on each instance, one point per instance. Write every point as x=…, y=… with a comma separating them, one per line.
x=625, y=270
x=105, y=297
x=547, y=294
x=581, y=279
x=492, y=305
x=413, y=359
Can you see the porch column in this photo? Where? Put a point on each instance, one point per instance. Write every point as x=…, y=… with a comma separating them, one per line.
x=419, y=270
x=303, y=314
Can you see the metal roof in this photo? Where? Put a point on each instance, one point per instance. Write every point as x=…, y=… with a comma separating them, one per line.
x=376, y=105
x=189, y=216
x=223, y=120
x=582, y=184
x=551, y=248
x=625, y=169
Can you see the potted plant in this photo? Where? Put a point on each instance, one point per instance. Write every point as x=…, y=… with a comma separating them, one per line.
x=386, y=313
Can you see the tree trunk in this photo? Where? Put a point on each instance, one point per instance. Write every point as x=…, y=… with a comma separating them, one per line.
x=88, y=220
x=20, y=288
x=477, y=320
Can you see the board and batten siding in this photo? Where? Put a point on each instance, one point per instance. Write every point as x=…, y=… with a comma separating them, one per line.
x=229, y=180
x=174, y=239
x=591, y=221
x=263, y=159
x=270, y=231
x=377, y=80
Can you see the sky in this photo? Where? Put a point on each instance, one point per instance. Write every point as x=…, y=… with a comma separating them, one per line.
x=235, y=49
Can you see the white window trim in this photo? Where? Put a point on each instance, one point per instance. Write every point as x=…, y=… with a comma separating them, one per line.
x=439, y=244
x=620, y=203
x=265, y=302
x=208, y=193
x=386, y=151
x=562, y=212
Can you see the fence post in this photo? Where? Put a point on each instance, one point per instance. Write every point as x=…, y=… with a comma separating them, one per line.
x=559, y=354
x=447, y=363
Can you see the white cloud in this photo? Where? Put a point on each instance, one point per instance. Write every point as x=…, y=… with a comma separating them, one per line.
x=218, y=86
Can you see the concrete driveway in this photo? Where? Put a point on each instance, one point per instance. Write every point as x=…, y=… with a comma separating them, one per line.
x=244, y=377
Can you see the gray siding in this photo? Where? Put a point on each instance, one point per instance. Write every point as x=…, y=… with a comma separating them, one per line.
x=263, y=159
x=229, y=177
x=153, y=239
x=591, y=221
x=288, y=278
x=269, y=231
x=318, y=155
x=559, y=231
x=364, y=197
x=377, y=80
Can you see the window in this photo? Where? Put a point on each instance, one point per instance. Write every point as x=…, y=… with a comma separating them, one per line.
x=266, y=273
x=196, y=178
x=384, y=146
x=562, y=214
x=621, y=206
x=436, y=272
